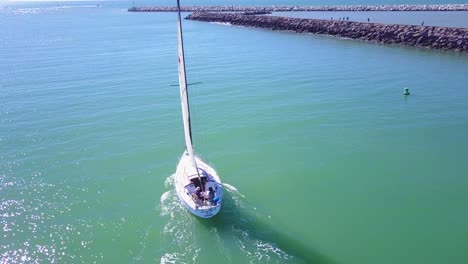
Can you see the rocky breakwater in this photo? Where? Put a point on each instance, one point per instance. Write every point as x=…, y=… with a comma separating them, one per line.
x=253, y=13
x=421, y=36
x=447, y=7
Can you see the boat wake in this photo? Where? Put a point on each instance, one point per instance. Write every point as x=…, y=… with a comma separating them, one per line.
x=40, y=10
x=240, y=233
x=244, y=224
x=179, y=242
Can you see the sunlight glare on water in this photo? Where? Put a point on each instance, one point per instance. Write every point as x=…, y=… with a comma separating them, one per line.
x=322, y=158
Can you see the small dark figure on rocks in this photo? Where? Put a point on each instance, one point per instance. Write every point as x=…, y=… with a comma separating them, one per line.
x=331, y=18
x=347, y=18
x=422, y=24
x=368, y=19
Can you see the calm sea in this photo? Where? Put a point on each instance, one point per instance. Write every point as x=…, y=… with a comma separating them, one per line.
x=323, y=158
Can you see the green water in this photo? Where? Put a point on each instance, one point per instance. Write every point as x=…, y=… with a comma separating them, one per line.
x=324, y=158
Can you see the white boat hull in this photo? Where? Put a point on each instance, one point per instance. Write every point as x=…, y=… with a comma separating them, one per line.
x=186, y=180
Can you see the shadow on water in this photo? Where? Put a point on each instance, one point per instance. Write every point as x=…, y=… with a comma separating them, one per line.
x=237, y=218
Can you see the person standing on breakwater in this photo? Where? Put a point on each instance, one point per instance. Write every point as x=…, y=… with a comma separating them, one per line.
x=368, y=20
x=422, y=24
x=448, y=38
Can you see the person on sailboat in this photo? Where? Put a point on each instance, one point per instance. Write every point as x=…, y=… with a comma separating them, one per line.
x=198, y=193
x=211, y=195
x=197, y=196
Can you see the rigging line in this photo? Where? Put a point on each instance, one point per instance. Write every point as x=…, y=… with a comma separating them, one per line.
x=187, y=84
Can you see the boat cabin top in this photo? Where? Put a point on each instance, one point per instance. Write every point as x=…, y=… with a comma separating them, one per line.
x=198, y=181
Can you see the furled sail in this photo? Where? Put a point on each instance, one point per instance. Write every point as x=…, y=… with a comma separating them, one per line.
x=183, y=89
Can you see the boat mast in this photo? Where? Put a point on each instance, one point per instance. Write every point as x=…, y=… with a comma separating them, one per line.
x=184, y=94
x=183, y=86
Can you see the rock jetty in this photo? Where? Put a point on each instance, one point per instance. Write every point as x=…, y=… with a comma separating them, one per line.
x=444, y=38
x=253, y=13
x=448, y=7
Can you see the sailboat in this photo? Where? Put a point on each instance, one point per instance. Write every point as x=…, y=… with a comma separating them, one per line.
x=197, y=184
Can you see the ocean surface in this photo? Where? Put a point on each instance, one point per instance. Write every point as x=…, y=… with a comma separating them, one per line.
x=323, y=158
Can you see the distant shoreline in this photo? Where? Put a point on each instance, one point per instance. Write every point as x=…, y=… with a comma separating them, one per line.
x=443, y=38
x=446, y=7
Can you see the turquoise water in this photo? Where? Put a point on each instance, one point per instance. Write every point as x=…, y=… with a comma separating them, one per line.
x=324, y=159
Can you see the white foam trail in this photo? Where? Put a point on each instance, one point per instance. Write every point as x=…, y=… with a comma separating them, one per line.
x=177, y=233
x=169, y=258
x=181, y=243
x=233, y=189
x=166, y=203
x=169, y=182
x=257, y=250
x=268, y=249
x=254, y=248
x=36, y=10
